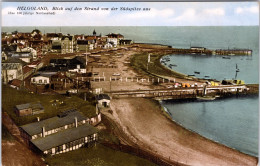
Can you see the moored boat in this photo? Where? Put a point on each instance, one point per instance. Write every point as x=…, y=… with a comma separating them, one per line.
x=226, y=57
x=205, y=98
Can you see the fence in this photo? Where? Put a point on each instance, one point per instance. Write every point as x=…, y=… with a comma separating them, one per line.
x=133, y=79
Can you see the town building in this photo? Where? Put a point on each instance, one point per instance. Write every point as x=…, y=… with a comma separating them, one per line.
x=29, y=109
x=54, y=41
x=67, y=44
x=85, y=45
x=62, y=121
x=24, y=56
x=103, y=100
x=65, y=132
x=27, y=71
x=15, y=83
x=68, y=140
x=12, y=69
x=7, y=51
x=125, y=42
x=35, y=64
x=60, y=81
x=41, y=79
x=114, y=38
x=77, y=64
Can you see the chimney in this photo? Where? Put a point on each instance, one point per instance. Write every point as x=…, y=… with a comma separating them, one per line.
x=76, y=122
x=43, y=131
x=38, y=119
x=97, y=111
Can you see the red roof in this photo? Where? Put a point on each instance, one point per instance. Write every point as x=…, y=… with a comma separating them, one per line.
x=79, y=37
x=90, y=37
x=27, y=69
x=35, y=63
x=16, y=82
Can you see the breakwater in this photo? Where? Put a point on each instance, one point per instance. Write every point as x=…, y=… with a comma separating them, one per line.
x=196, y=50
x=189, y=93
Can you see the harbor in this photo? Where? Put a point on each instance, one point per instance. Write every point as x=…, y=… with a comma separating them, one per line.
x=138, y=91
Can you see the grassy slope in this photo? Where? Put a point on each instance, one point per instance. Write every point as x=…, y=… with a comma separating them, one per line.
x=12, y=97
x=6, y=135
x=98, y=155
x=139, y=63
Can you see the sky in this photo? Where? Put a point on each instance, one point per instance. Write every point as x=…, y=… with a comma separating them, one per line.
x=160, y=14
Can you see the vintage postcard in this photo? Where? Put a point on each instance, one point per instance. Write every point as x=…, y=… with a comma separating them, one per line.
x=130, y=83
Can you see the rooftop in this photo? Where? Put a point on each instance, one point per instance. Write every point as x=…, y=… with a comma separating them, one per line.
x=16, y=82
x=27, y=69
x=13, y=60
x=102, y=96
x=29, y=105
x=52, y=123
x=64, y=136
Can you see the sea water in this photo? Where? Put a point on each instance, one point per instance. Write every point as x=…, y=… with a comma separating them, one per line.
x=233, y=122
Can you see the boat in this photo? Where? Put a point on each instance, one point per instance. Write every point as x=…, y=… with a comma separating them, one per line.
x=196, y=72
x=226, y=57
x=205, y=98
x=231, y=54
x=206, y=76
x=191, y=75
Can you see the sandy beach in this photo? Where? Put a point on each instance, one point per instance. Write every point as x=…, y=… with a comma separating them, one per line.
x=145, y=124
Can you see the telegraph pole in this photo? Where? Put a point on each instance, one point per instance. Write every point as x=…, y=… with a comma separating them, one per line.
x=148, y=60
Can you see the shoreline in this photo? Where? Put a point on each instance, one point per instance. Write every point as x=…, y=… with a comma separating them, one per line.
x=150, y=128
x=207, y=154
x=210, y=139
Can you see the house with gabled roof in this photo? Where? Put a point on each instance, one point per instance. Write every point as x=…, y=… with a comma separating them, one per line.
x=103, y=100
x=41, y=79
x=29, y=109
x=114, y=38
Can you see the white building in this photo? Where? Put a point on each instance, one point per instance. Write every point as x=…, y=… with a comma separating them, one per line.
x=40, y=79
x=103, y=100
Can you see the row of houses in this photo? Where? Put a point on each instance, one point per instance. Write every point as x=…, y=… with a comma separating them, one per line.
x=57, y=42
x=62, y=74
x=67, y=131
x=22, y=53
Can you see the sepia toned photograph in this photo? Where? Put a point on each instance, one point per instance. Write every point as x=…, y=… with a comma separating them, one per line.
x=130, y=83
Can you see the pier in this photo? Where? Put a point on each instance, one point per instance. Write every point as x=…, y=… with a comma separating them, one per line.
x=234, y=52
x=188, y=93
x=197, y=50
